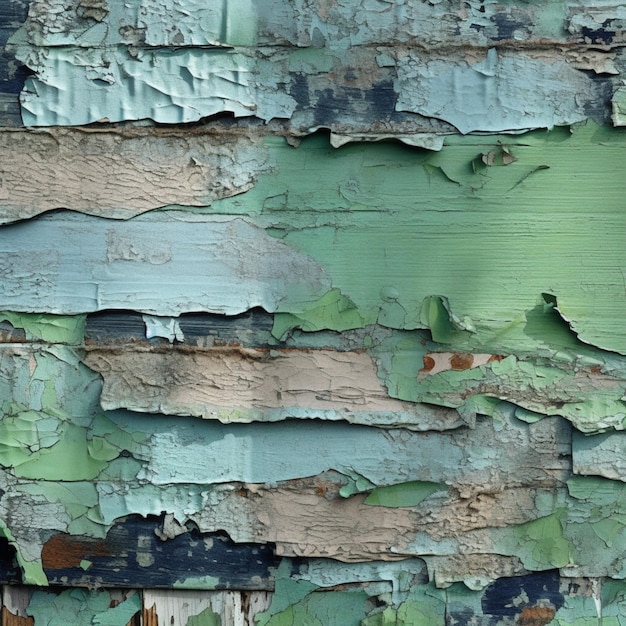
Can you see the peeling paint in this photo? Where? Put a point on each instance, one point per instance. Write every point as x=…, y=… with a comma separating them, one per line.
x=298, y=62
x=122, y=172
x=359, y=377
x=93, y=607
x=243, y=385
x=487, y=95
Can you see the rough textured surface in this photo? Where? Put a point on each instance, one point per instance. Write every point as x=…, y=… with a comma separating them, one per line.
x=121, y=173
x=260, y=376
x=241, y=385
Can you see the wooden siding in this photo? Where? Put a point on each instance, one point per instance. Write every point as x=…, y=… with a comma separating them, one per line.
x=312, y=313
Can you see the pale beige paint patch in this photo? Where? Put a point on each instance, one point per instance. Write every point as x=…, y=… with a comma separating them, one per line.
x=237, y=384
x=308, y=518
x=122, y=172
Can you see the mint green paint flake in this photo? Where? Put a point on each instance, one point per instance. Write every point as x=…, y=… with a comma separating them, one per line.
x=379, y=209
x=89, y=607
x=404, y=494
x=425, y=606
x=207, y=618
x=49, y=328
x=541, y=543
x=329, y=608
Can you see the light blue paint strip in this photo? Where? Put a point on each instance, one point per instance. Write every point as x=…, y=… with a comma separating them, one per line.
x=70, y=263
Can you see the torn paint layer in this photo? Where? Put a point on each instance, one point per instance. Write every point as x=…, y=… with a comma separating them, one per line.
x=603, y=24
x=172, y=451
x=514, y=211
x=454, y=300
x=223, y=266
x=241, y=385
x=600, y=455
x=408, y=93
x=486, y=94
x=37, y=327
x=81, y=471
x=120, y=173
x=94, y=607
x=357, y=207
x=298, y=23
x=589, y=398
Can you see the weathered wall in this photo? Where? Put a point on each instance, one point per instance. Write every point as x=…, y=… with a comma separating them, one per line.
x=313, y=312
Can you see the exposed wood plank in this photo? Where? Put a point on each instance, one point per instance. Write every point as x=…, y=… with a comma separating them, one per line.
x=157, y=553
x=14, y=603
x=178, y=608
x=252, y=329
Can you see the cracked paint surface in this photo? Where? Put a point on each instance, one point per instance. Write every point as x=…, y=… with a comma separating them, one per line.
x=311, y=315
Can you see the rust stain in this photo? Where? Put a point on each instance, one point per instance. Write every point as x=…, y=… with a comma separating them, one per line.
x=429, y=363
x=63, y=551
x=536, y=616
x=461, y=361
x=436, y=362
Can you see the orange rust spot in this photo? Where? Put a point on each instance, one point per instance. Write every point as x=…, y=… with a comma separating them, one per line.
x=64, y=551
x=461, y=361
x=536, y=616
x=495, y=357
x=429, y=363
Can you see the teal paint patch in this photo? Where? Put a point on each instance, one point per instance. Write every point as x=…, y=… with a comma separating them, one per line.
x=397, y=578
x=90, y=607
x=416, y=253
x=332, y=310
x=541, y=544
x=235, y=57
x=597, y=517
x=147, y=263
x=298, y=603
x=600, y=455
x=197, y=582
x=590, y=400
x=207, y=618
x=425, y=606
